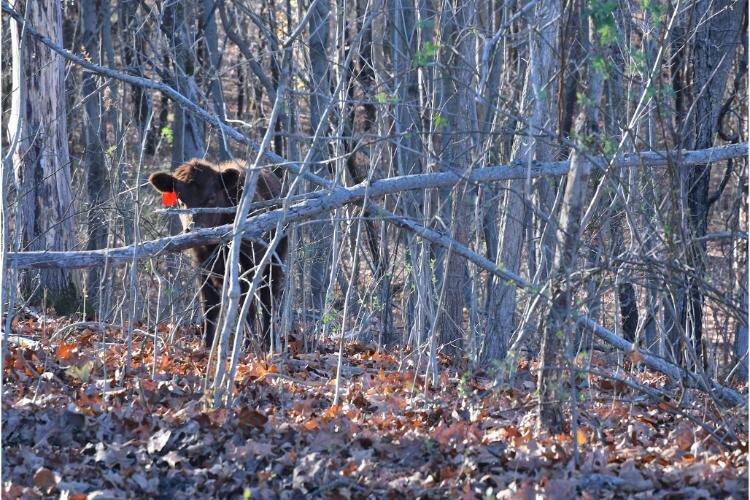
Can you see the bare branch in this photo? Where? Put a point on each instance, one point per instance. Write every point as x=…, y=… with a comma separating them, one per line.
x=314, y=204
x=656, y=363
x=442, y=179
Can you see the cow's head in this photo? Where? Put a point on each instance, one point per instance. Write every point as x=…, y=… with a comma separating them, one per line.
x=200, y=184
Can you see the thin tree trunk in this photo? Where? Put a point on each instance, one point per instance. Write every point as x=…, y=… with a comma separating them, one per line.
x=319, y=234
x=741, y=277
x=459, y=141
x=132, y=35
x=543, y=41
x=97, y=178
x=214, y=86
x=188, y=131
x=713, y=47
x=557, y=329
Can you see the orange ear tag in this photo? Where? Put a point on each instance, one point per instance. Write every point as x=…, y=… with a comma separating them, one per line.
x=169, y=198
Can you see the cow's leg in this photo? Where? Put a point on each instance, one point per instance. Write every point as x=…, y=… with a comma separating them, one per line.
x=251, y=313
x=266, y=303
x=211, y=302
x=270, y=296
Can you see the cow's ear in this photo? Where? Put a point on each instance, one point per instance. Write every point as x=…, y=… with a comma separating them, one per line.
x=231, y=179
x=163, y=182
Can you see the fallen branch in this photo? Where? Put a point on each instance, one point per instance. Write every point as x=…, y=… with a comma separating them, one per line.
x=316, y=203
x=321, y=202
x=693, y=380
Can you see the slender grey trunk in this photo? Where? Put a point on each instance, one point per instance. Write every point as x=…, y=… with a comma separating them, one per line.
x=319, y=234
x=538, y=98
x=187, y=131
x=214, y=57
x=132, y=38
x=741, y=283
x=97, y=178
x=457, y=153
x=557, y=326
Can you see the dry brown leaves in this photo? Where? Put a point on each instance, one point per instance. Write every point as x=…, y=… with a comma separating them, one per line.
x=75, y=424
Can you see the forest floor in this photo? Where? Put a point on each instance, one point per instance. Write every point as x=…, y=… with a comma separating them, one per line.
x=76, y=424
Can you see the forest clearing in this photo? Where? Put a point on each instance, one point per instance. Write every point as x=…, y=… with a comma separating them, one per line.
x=374, y=249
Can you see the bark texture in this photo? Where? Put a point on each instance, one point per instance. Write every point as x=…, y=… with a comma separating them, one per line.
x=41, y=162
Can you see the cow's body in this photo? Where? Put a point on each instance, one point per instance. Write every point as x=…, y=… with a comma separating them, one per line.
x=200, y=184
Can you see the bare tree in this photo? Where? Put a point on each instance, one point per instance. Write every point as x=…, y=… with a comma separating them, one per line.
x=318, y=239
x=97, y=178
x=188, y=130
x=455, y=123
x=210, y=34
x=41, y=161
x=557, y=326
x=538, y=99
x=701, y=69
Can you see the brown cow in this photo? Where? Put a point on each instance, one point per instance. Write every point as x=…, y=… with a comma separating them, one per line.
x=201, y=184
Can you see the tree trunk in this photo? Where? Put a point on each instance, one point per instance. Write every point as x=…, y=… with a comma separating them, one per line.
x=538, y=98
x=188, y=131
x=214, y=86
x=319, y=234
x=132, y=48
x=457, y=149
x=741, y=276
x=97, y=179
x=41, y=162
x=713, y=46
x=556, y=335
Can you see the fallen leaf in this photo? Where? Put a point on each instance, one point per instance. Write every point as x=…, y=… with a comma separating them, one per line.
x=65, y=351
x=158, y=440
x=80, y=373
x=217, y=417
x=44, y=479
x=311, y=424
x=250, y=417
x=580, y=437
x=173, y=458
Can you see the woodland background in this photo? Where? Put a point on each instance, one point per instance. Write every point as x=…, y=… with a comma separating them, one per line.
x=479, y=258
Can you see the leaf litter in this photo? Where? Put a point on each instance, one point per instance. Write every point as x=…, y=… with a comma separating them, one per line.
x=76, y=424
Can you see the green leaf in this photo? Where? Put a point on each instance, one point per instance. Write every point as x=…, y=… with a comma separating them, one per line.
x=168, y=135
x=80, y=373
x=425, y=56
x=607, y=34
x=599, y=65
x=609, y=147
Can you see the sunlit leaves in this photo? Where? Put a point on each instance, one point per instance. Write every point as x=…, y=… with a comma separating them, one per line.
x=81, y=373
x=426, y=55
x=167, y=134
